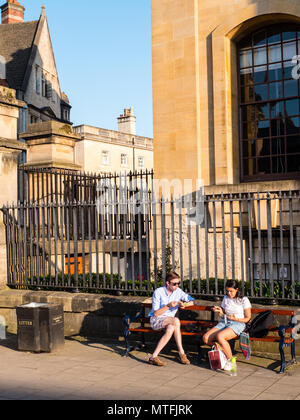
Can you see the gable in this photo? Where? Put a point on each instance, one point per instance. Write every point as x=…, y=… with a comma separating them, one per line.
x=41, y=53
x=42, y=65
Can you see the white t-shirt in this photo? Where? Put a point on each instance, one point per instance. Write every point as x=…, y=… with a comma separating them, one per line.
x=235, y=306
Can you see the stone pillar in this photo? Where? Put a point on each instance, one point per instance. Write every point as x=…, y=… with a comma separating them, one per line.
x=9, y=150
x=51, y=144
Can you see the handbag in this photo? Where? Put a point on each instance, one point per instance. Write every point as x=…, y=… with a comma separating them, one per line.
x=245, y=345
x=217, y=358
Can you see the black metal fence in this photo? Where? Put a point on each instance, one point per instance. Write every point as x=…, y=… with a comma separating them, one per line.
x=128, y=241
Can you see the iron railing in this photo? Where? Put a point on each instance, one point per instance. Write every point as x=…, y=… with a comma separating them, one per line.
x=128, y=243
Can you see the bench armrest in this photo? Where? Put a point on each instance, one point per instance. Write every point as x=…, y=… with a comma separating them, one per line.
x=285, y=329
x=127, y=319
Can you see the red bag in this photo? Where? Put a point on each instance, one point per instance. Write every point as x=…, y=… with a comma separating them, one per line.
x=217, y=359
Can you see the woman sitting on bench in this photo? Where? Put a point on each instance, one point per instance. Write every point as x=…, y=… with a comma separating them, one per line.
x=236, y=312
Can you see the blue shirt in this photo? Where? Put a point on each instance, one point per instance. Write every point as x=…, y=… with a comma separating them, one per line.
x=161, y=298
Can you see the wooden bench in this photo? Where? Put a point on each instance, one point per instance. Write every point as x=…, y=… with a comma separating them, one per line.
x=281, y=334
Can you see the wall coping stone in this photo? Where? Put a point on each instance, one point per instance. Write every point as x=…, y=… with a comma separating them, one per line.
x=107, y=305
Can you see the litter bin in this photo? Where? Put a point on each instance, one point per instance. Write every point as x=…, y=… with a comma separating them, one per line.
x=40, y=327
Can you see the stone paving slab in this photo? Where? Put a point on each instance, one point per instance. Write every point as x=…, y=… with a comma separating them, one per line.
x=96, y=370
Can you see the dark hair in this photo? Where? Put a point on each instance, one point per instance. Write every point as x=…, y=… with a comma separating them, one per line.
x=172, y=276
x=234, y=284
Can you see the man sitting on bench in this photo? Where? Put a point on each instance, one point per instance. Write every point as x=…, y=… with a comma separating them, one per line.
x=165, y=304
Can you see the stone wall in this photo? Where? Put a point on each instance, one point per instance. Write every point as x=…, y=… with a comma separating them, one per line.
x=101, y=316
x=9, y=151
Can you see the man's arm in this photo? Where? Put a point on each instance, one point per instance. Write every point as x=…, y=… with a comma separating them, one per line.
x=164, y=309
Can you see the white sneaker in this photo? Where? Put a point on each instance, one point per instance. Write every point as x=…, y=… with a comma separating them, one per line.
x=228, y=366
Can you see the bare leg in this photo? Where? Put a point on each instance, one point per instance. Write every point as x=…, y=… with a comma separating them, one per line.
x=211, y=336
x=223, y=337
x=164, y=340
x=172, y=326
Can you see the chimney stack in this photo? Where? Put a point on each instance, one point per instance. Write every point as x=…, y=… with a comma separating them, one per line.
x=12, y=12
x=127, y=122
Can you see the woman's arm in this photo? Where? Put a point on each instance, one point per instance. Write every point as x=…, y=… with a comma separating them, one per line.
x=219, y=309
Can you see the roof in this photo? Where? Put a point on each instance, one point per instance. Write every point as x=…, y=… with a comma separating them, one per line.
x=16, y=41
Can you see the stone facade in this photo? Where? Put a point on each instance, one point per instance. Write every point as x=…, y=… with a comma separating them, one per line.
x=196, y=122
x=9, y=151
x=109, y=151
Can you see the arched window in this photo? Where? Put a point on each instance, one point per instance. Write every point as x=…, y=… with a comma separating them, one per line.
x=269, y=104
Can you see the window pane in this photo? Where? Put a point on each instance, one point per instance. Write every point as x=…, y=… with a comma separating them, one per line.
x=276, y=90
x=291, y=88
x=293, y=145
x=262, y=112
x=287, y=69
x=278, y=165
x=292, y=107
x=277, y=127
x=246, y=58
x=260, y=74
x=275, y=72
x=264, y=165
x=288, y=35
x=259, y=38
x=247, y=94
x=273, y=37
x=250, y=167
x=263, y=129
x=277, y=146
x=249, y=148
x=292, y=125
x=261, y=92
x=275, y=53
x=263, y=147
x=260, y=56
x=248, y=113
x=277, y=109
x=289, y=50
x=249, y=130
x=293, y=163
x=246, y=76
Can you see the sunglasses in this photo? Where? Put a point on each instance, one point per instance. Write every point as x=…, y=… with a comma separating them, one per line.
x=175, y=284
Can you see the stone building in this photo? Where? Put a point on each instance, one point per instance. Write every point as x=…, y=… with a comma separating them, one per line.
x=109, y=151
x=226, y=105
x=29, y=67
x=226, y=112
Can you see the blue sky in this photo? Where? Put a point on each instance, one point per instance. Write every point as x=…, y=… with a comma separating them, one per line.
x=103, y=56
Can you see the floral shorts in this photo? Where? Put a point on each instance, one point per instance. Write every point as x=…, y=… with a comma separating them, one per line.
x=157, y=322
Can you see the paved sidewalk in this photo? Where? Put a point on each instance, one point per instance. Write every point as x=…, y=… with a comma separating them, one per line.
x=96, y=370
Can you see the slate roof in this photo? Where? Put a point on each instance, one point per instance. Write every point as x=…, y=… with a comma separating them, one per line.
x=16, y=40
